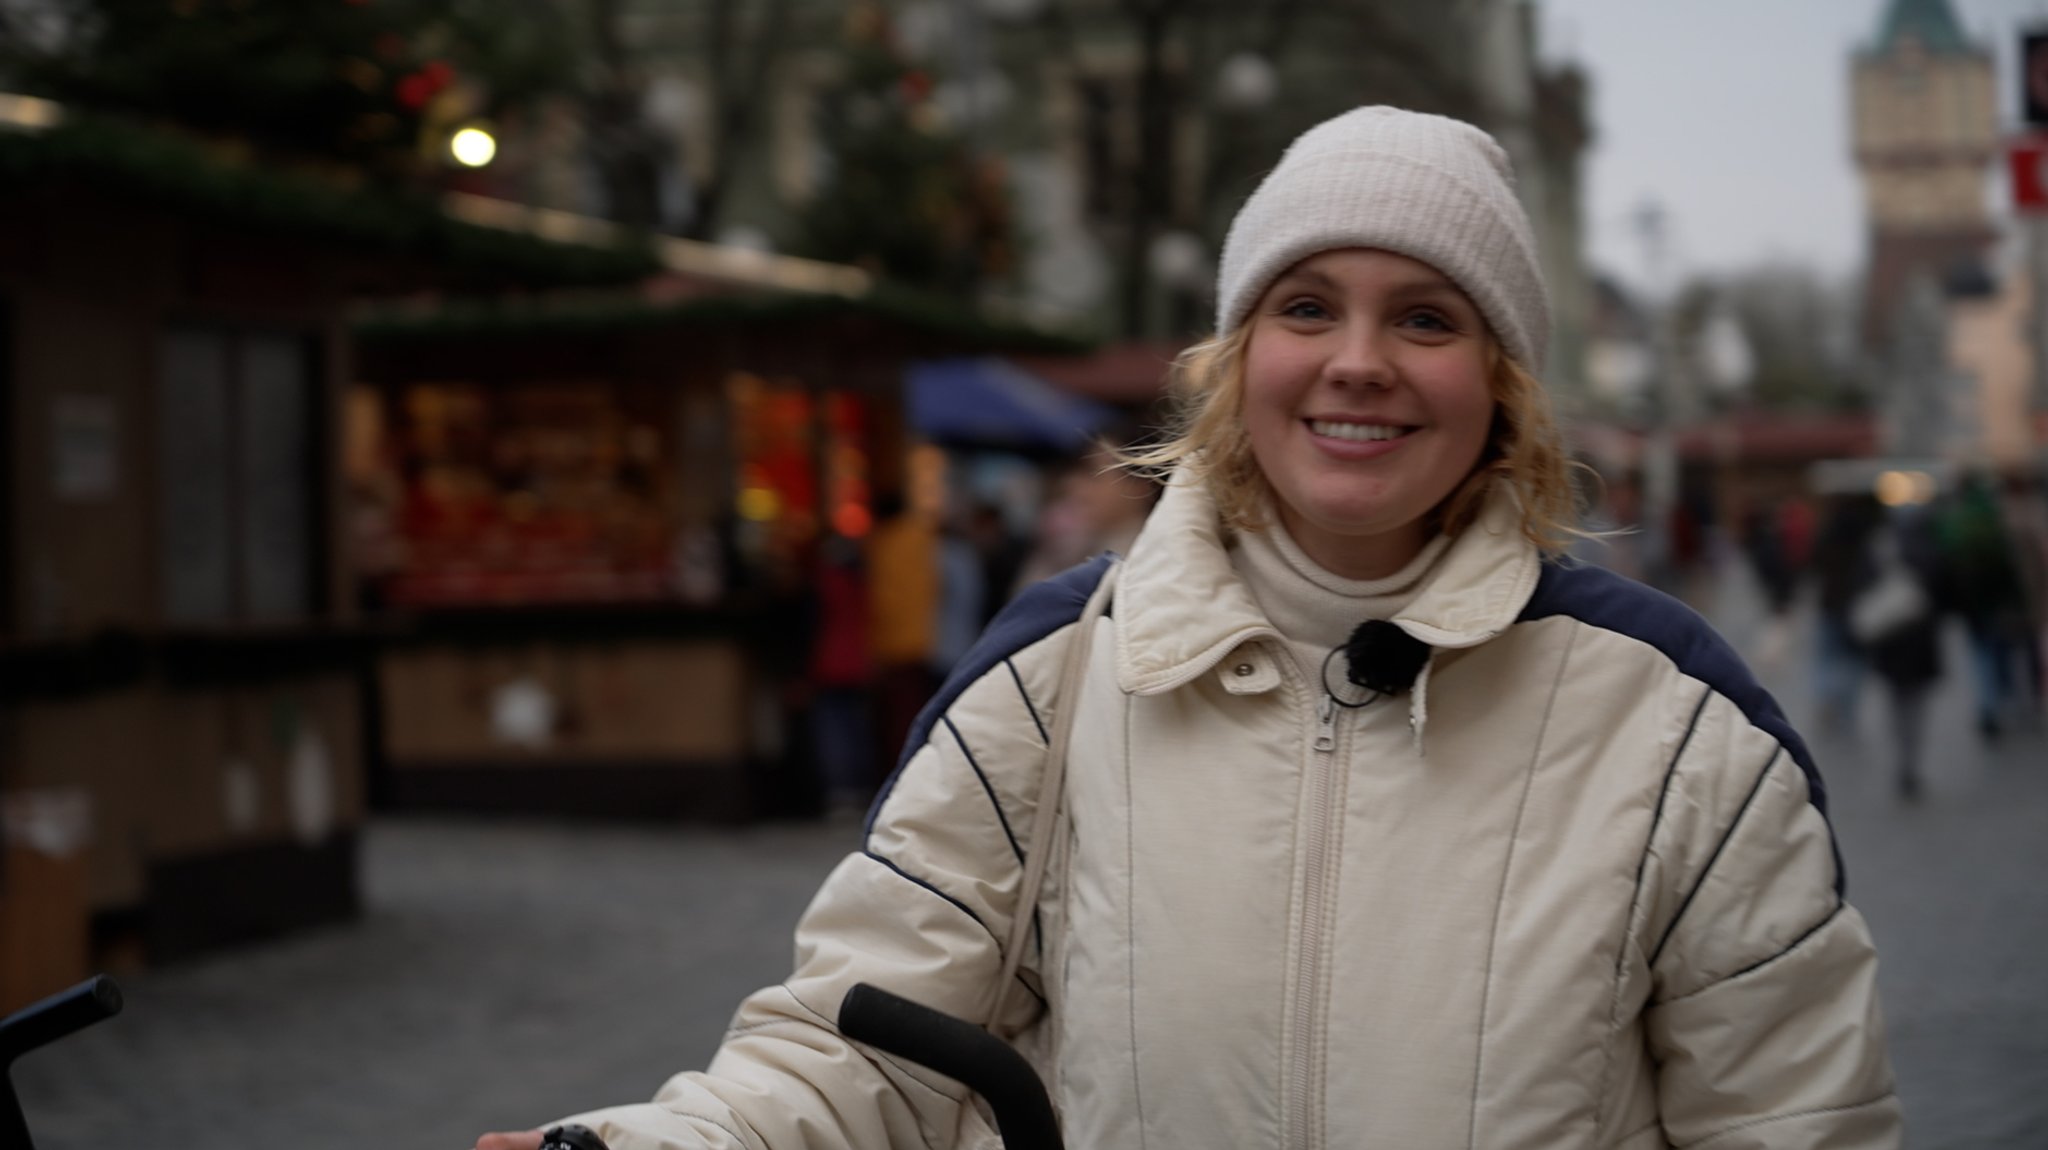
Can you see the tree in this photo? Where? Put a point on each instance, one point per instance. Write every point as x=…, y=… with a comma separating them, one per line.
x=370, y=84
x=903, y=197
x=1800, y=330
x=1333, y=56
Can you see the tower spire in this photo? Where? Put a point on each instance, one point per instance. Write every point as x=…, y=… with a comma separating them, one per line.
x=1932, y=23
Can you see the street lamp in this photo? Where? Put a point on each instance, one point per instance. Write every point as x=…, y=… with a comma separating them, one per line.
x=1246, y=82
x=473, y=147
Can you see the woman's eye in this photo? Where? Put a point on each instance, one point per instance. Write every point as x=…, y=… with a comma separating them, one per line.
x=1304, y=309
x=1430, y=321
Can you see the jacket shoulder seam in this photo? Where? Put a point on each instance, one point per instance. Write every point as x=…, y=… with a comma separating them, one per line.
x=1833, y=913
x=1707, y=868
x=987, y=787
x=926, y=885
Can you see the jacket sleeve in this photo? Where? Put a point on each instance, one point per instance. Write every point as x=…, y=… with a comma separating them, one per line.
x=1763, y=1010
x=923, y=909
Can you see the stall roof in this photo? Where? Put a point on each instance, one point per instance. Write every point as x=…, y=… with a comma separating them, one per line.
x=42, y=146
x=598, y=313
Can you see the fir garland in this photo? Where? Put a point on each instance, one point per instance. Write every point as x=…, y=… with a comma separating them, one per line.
x=181, y=174
x=964, y=327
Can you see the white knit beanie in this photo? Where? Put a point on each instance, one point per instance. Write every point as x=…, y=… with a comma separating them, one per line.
x=1428, y=187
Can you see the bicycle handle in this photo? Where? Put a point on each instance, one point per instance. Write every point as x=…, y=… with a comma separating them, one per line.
x=94, y=1000
x=961, y=1051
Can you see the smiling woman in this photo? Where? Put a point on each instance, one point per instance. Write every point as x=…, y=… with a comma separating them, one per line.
x=1363, y=818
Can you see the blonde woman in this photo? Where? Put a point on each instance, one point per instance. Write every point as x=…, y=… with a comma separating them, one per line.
x=1382, y=824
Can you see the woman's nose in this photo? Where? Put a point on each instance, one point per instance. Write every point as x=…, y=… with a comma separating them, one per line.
x=1360, y=359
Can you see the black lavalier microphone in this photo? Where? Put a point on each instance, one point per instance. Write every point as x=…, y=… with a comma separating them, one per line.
x=1382, y=657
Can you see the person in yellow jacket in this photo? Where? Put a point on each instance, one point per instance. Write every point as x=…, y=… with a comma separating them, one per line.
x=1384, y=824
x=903, y=607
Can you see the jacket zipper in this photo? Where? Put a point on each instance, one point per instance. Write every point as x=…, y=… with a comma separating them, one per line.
x=1301, y=1093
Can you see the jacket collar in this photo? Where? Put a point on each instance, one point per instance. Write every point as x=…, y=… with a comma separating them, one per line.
x=1181, y=608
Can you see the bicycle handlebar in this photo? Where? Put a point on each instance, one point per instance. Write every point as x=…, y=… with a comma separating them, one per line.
x=961, y=1051
x=94, y=1000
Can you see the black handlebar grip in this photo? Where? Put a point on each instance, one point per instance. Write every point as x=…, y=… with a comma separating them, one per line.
x=39, y=1024
x=94, y=1000
x=961, y=1051
x=571, y=1137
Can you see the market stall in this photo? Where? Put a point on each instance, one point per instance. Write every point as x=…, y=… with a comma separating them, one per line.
x=591, y=526
x=180, y=649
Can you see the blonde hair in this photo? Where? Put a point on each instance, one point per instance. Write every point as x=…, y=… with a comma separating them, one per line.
x=1206, y=441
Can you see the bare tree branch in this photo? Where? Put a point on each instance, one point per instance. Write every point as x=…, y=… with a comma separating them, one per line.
x=737, y=94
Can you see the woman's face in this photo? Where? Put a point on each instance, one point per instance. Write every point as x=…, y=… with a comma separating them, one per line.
x=1367, y=400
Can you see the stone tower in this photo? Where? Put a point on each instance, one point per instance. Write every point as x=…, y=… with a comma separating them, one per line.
x=1926, y=135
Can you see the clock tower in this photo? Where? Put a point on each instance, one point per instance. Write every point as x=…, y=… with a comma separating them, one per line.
x=1926, y=135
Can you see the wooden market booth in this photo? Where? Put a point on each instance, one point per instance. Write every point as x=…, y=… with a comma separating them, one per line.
x=181, y=654
x=598, y=519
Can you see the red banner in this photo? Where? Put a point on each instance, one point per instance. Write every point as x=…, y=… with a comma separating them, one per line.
x=2026, y=157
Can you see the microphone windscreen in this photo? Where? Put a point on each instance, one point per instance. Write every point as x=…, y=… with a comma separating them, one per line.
x=1382, y=657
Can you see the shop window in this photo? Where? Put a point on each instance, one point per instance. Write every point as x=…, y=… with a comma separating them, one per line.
x=238, y=473
x=546, y=493
x=803, y=468
x=846, y=465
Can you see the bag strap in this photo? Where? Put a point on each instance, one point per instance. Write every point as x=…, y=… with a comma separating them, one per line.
x=1051, y=784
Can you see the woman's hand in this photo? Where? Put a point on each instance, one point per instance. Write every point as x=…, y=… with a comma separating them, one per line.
x=520, y=1140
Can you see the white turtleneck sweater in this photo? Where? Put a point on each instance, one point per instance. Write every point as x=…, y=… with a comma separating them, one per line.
x=1314, y=610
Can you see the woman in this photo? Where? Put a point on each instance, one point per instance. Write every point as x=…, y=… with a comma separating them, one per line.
x=1565, y=880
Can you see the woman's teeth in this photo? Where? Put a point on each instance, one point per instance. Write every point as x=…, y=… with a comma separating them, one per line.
x=1359, y=432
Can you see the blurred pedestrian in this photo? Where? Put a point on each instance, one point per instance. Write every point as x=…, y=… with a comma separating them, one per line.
x=1001, y=554
x=1770, y=561
x=1795, y=522
x=842, y=675
x=1097, y=506
x=960, y=598
x=2026, y=527
x=1841, y=567
x=903, y=596
x=1895, y=617
x=1978, y=557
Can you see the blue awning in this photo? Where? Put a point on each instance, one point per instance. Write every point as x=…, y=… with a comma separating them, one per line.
x=992, y=402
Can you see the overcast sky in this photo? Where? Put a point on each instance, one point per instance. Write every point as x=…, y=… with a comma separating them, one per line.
x=1734, y=116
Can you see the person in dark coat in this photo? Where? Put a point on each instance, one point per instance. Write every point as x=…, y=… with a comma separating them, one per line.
x=1840, y=567
x=1990, y=596
x=1905, y=649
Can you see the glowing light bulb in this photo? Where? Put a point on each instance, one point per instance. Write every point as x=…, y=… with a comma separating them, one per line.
x=473, y=147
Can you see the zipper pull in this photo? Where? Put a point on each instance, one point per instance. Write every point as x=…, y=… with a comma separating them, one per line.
x=1326, y=728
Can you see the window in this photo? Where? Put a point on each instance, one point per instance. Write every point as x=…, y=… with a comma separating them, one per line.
x=238, y=472
x=7, y=393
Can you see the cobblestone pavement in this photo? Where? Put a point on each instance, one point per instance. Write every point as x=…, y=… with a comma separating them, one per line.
x=504, y=974
x=508, y=972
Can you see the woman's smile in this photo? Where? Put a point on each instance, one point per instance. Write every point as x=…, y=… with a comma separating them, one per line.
x=1357, y=432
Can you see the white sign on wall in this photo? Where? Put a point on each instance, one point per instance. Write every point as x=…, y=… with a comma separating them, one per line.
x=85, y=447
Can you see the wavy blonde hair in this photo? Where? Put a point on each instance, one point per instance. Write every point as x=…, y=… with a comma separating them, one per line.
x=1205, y=439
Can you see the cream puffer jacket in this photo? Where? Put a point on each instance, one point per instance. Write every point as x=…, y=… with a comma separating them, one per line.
x=1587, y=897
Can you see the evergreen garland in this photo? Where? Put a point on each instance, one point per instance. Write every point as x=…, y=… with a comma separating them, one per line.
x=180, y=173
